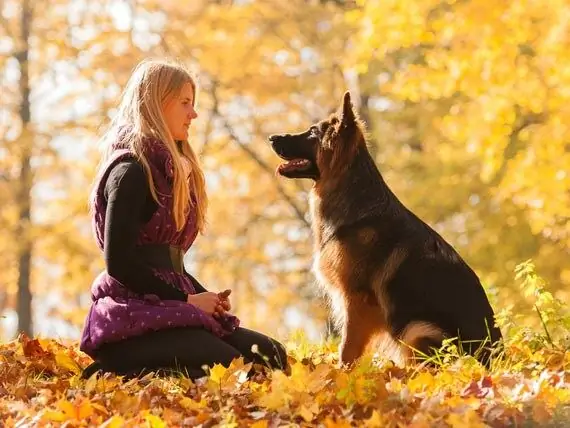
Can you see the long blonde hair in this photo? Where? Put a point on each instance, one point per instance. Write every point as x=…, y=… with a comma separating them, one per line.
x=140, y=116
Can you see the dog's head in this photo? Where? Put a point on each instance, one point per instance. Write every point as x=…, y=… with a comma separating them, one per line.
x=322, y=150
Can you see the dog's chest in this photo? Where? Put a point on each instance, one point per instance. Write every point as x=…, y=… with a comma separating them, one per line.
x=322, y=228
x=329, y=256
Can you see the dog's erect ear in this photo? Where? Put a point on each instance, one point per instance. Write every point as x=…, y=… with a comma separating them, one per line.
x=347, y=117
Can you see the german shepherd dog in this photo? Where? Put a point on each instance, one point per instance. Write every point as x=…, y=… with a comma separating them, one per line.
x=384, y=270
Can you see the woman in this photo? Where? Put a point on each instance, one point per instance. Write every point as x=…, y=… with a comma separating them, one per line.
x=148, y=204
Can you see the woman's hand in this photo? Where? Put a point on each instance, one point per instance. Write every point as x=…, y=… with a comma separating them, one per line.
x=214, y=304
x=224, y=299
x=208, y=302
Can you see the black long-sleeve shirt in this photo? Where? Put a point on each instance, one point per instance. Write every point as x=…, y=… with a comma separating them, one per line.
x=129, y=205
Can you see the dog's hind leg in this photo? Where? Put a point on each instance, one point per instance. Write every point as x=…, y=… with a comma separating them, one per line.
x=362, y=322
x=419, y=340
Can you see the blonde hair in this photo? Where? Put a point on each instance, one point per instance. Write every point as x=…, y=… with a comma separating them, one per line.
x=140, y=113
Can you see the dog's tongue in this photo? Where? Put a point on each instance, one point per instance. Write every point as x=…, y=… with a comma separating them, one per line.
x=293, y=164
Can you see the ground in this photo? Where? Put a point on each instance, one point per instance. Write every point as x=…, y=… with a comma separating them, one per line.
x=39, y=386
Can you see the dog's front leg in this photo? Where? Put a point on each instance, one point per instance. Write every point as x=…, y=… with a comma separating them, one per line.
x=360, y=326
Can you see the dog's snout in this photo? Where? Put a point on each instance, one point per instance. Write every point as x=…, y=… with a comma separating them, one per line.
x=275, y=138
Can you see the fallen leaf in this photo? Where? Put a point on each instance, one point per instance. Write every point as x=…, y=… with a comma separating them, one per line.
x=217, y=373
x=63, y=360
x=540, y=413
x=190, y=404
x=154, y=421
x=423, y=381
x=115, y=421
x=308, y=412
x=260, y=424
x=374, y=421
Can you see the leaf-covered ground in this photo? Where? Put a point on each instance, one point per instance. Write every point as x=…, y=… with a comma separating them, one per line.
x=39, y=386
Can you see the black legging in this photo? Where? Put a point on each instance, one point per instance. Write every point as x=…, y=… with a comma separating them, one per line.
x=186, y=350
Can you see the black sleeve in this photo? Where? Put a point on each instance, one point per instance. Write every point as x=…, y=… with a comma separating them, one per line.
x=126, y=190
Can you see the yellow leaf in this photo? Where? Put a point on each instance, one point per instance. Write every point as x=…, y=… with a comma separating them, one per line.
x=237, y=372
x=189, y=404
x=44, y=342
x=423, y=381
x=217, y=373
x=456, y=421
x=154, y=421
x=277, y=398
x=91, y=384
x=305, y=413
x=63, y=360
x=445, y=378
x=318, y=378
x=67, y=408
x=260, y=424
x=171, y=417
x=73, y=411
x=374, y=421
x=336, y=423
x=123, y=402
x=84, y=410
x=56, y=416
x=100, y=407
x=107, y=384
x=468, y=419
x=115, y=421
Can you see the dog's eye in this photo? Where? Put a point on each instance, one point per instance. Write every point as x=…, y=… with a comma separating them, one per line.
x=315, y=132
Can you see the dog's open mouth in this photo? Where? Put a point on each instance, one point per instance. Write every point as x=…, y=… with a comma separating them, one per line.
x=294, y=165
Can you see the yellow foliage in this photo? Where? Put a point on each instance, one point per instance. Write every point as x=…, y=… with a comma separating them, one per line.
x=314, y=393
x=467, y=105
x=491, y=80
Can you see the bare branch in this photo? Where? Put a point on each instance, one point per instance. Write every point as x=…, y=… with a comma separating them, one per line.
x=255, y=157
x=514, y=145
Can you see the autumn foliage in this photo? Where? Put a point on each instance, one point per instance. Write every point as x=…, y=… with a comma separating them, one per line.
x=39, y=386
x=467, y=106
x=529, y=383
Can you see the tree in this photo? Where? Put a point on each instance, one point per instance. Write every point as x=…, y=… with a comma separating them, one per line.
x=479, y=97
x=48, y=248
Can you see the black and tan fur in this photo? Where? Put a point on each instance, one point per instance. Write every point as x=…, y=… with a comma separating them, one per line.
x=385, y=270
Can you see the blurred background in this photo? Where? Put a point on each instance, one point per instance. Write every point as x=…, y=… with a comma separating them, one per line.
x=467, y=103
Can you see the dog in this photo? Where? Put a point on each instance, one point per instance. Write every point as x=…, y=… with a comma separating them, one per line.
x=385, y=270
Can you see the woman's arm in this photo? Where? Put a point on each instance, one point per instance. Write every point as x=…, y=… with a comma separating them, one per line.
x=127, y=192
x=197, y=286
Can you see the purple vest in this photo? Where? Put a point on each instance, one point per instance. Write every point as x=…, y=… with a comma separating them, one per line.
x=117, y=313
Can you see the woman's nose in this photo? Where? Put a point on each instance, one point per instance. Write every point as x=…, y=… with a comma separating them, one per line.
x=193, y=114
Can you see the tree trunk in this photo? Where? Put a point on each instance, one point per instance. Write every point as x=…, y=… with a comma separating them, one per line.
x=23, y=197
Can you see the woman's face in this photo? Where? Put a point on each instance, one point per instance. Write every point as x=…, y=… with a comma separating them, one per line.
x=179, y=112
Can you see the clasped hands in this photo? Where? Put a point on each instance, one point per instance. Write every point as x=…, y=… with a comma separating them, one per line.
x=215, y=304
